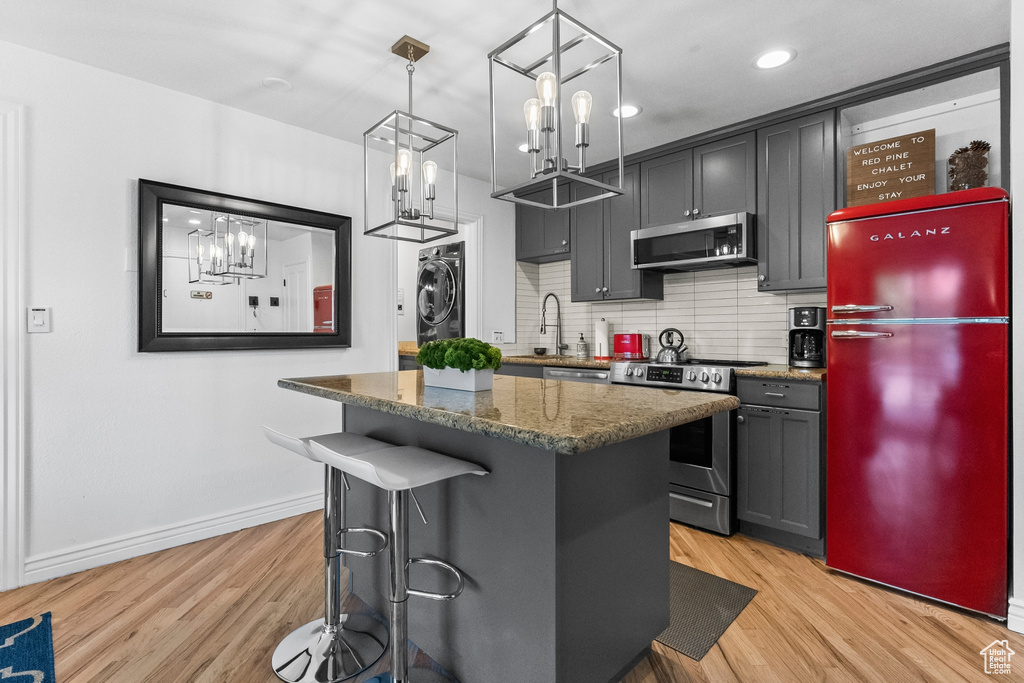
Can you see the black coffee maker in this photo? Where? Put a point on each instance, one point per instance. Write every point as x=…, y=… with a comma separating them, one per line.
x=807, y=337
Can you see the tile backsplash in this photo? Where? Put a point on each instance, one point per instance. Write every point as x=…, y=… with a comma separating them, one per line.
x=720, y=313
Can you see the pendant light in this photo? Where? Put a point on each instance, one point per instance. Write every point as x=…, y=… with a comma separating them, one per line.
x=420, y=160
x=541, y=63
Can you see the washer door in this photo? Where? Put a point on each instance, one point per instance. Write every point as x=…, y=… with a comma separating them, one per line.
x=437, y=292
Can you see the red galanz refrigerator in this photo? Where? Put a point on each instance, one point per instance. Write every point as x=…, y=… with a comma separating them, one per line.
x=918, y=351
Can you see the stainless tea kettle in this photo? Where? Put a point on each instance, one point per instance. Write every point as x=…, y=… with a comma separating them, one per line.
x=670, y=351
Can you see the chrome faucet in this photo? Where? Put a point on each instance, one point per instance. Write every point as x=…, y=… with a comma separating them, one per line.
x=559, y=346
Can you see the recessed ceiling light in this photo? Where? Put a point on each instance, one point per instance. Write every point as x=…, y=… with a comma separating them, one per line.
x=629, y=110
x=276, y=84
x=194, y=221
x=774, y=58
x=524, y=148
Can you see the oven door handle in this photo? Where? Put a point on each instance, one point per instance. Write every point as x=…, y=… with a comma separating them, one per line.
x=690, y=499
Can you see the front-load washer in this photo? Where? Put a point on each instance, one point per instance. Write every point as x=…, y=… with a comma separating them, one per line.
x=440, y=293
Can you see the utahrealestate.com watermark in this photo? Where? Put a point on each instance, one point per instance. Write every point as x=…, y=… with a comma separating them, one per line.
x=997, y=657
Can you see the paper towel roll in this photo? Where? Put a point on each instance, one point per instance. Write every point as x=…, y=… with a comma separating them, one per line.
x=602, y=351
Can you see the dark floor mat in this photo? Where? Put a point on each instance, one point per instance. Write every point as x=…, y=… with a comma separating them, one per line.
x=701, y=607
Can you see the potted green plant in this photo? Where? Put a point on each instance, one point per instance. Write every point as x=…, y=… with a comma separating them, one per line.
x=464, y=363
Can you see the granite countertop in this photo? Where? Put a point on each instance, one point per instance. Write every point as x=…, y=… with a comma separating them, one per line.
x=568, y=417
x=557, y=361
x=411, y=349
x=782, y=372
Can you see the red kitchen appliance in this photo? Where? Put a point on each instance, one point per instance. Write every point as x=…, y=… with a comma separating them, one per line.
x=323, y=309
x=917, y=362
x=631, y=346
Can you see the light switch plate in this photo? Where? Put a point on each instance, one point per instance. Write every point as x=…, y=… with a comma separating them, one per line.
x=497, y=337
x=38, y=320
x=401, y=301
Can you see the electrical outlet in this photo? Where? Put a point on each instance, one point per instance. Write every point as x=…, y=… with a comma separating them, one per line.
x=497, y=337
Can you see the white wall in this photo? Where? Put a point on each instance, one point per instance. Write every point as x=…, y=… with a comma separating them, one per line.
x=128, y=452
x=1016, y=618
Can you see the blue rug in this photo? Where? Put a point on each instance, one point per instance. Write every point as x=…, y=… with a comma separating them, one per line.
x=26, y=651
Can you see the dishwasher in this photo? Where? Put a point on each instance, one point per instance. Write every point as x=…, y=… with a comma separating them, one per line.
x=591, y=375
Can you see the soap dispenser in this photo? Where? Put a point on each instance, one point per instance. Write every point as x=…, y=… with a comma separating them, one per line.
x=582, y=349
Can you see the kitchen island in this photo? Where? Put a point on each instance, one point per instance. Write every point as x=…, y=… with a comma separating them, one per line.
x=564, y=545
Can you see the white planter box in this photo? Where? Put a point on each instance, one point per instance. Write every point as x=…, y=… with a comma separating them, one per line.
x=453, y=378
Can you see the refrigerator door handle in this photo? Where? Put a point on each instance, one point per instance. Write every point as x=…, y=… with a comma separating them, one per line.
x=858, y=334
x=859, y=308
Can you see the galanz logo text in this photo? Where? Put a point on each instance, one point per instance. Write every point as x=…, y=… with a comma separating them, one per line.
x=916, y=233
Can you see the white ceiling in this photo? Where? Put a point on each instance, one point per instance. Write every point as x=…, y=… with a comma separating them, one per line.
x=687, y=62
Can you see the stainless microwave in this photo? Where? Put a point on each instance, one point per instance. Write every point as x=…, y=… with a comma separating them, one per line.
x=703, y=244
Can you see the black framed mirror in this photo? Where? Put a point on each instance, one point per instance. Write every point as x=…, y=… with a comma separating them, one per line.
x=218, y=272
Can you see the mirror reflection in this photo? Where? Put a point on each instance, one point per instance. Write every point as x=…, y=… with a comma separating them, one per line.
x=226, y=272
x=220, y=272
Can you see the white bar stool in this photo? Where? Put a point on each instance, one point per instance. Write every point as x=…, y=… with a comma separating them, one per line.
x=341, y=645
x=398, y=470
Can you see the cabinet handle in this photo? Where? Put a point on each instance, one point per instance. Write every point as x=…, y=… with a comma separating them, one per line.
x=740, y=418
x=565, y=242
x=775, y=394
x=761, y=278
x=696, y=211
x=604, y=289
x=597, y=290
x=686, y=213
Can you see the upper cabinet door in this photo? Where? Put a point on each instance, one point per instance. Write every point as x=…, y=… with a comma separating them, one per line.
x=623, y=214
x=542, y=235
x=587, y=234
x=796, y=193
x=666, y=189
x=725, y=177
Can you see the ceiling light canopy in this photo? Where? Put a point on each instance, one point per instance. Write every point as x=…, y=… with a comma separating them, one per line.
x=408, y=151
x=529, y=74
x=774, y=58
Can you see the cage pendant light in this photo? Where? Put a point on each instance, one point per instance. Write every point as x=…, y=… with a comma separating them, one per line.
x=553, y=73
x=410, y=167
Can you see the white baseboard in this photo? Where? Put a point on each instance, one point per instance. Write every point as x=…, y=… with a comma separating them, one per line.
x=54, y=564
x=1015, y=615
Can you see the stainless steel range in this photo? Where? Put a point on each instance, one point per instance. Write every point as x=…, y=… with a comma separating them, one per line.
x=702, y=453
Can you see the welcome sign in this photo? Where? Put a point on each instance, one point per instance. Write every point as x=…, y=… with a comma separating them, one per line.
x=896, y=168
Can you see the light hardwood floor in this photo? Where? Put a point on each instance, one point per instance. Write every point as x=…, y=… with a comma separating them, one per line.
x=213, y=611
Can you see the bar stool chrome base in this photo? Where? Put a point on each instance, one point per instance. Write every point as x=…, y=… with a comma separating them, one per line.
x=315, y=654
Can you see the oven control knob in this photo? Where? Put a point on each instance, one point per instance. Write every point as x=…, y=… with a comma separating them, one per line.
x=704, y=377
x=716, y=378
x=691, y=375
x=629, y=372
x=639, y=372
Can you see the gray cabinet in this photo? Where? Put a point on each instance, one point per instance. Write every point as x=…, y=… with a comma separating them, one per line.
x=780, y=464
x=796, y=193
x=408, y=363
x=542, y=235
x=713, y=179
x=602, y=258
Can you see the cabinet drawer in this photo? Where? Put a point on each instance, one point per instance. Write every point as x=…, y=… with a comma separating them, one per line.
x=762, y=392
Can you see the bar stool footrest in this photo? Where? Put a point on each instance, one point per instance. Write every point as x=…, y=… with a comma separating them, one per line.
x=381, y=536
x=430, y=595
